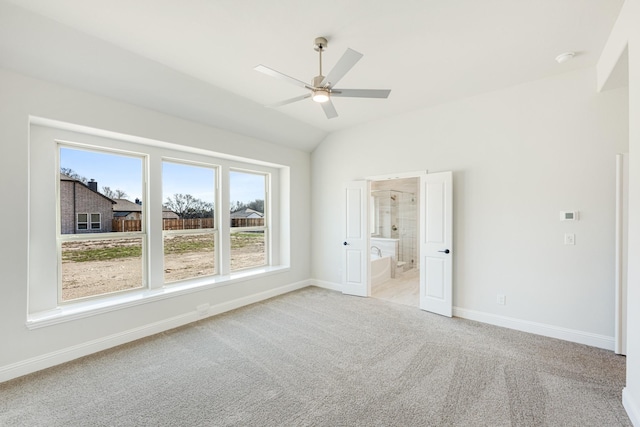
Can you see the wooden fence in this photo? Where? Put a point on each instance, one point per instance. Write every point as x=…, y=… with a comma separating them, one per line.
x=124, y=225
x=247, y=222
x=187, y=224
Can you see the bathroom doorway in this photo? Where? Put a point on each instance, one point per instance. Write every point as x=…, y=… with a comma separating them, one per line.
x=394, y=222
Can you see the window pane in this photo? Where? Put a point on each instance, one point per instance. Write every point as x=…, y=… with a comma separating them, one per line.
x=188, y=255
x=247, y=195
x=248, y=249
x=99, y=188
x=188, y=192
x=97, y=267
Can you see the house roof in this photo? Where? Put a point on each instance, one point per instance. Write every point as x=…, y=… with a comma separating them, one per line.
x=428, y=53
x=124, y=205
x=246, y=213
x=64, y=177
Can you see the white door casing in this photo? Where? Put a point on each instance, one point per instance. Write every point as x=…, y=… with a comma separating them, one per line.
x=622, y=262
x=436, y=243
x=355, y=243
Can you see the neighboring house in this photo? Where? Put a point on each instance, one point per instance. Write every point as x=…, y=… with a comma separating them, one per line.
x=125, y=209
x=82, y=208
x=247, y=218
x=246, y=213
x=169, y=214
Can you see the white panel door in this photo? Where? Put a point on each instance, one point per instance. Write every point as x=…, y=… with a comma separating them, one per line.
x=436, y=238
x=355, y=243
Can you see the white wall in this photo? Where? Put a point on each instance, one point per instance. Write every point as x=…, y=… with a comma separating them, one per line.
x=519, y=157
x=621, y=57
x=23, y=350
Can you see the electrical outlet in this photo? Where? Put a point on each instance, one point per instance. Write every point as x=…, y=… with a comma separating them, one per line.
x=569, y=239
x=502, y=299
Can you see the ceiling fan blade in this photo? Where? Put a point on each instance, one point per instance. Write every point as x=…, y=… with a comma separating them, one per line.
x=343, y=66
x=329, y=109
x=278, y=75
x=361, y=93
x=289, y=101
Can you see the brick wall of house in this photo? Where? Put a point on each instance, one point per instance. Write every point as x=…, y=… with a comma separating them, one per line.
x=86, y=201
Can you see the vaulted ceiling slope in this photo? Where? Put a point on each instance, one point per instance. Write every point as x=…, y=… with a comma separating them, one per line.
x=195, y=59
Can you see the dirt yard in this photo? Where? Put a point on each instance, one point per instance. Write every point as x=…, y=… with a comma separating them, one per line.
x=96, y=267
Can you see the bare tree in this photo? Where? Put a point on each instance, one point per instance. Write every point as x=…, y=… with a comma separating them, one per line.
x=114, y=194
x=186, y=206
x=73, y=174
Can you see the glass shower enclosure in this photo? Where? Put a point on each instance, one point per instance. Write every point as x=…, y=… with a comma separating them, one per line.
x=394, y=216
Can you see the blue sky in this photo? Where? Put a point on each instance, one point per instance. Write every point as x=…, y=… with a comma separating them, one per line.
x=125, y=173
x=188, y=179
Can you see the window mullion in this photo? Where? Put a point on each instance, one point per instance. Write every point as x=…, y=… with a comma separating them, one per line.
x=225, y=221
x=155, y=251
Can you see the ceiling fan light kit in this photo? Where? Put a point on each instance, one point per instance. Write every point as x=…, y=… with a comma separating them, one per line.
x=322, y=87
x=320, y=95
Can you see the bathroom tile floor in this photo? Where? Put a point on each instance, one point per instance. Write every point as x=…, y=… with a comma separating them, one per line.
x=403, y=289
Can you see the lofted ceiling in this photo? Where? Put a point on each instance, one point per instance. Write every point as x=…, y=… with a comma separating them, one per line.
x=195, y=58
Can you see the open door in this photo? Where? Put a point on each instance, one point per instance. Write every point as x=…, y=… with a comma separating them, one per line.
x=355, y=244
x=436, y=238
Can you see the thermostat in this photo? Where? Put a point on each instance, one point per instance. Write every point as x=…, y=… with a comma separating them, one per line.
x=569, y=215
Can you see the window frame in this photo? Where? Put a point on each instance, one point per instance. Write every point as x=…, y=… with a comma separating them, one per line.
x=89, y=235
x=216, y=217
x=266, y=215
x=43, y=306
x=89, y=222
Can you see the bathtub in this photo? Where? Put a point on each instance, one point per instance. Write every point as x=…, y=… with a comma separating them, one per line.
x=380, y=269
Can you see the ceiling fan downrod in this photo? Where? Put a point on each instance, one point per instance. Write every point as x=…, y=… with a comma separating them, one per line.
x=320, y=92
x=320, y=44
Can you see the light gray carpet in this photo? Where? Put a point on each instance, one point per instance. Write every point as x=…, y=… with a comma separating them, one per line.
x=315, y=357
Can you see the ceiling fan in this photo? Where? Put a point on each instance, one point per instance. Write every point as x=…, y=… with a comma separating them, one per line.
x=322, y=88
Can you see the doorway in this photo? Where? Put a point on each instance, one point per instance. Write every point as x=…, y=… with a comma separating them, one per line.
x=394, y=213
x=434, y=251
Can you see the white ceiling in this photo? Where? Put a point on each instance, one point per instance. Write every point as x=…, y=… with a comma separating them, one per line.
x=195, y=58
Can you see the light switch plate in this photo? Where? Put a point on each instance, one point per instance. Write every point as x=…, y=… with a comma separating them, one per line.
x=569, y=239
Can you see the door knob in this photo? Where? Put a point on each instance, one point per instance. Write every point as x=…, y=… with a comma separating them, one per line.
x=446, y=251
x=345, y=243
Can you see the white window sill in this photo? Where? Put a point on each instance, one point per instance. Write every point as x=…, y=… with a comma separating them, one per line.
x=87, y=308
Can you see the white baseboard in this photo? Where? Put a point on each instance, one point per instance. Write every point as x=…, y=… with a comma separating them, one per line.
x=572, y=335
x=326, y=285
x=48, y=360
x=251, y=299
x=633, y=411
x=594, y=340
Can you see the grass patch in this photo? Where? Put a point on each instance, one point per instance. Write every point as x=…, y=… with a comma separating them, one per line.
x=173, y=244
x=177, y=244
x=101, y=254
x=241, y=240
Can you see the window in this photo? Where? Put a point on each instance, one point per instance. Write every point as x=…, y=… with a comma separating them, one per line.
x=188, y=221
x=248, y=194
x=96, y=259
x=88, y=221
x=137, y=220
